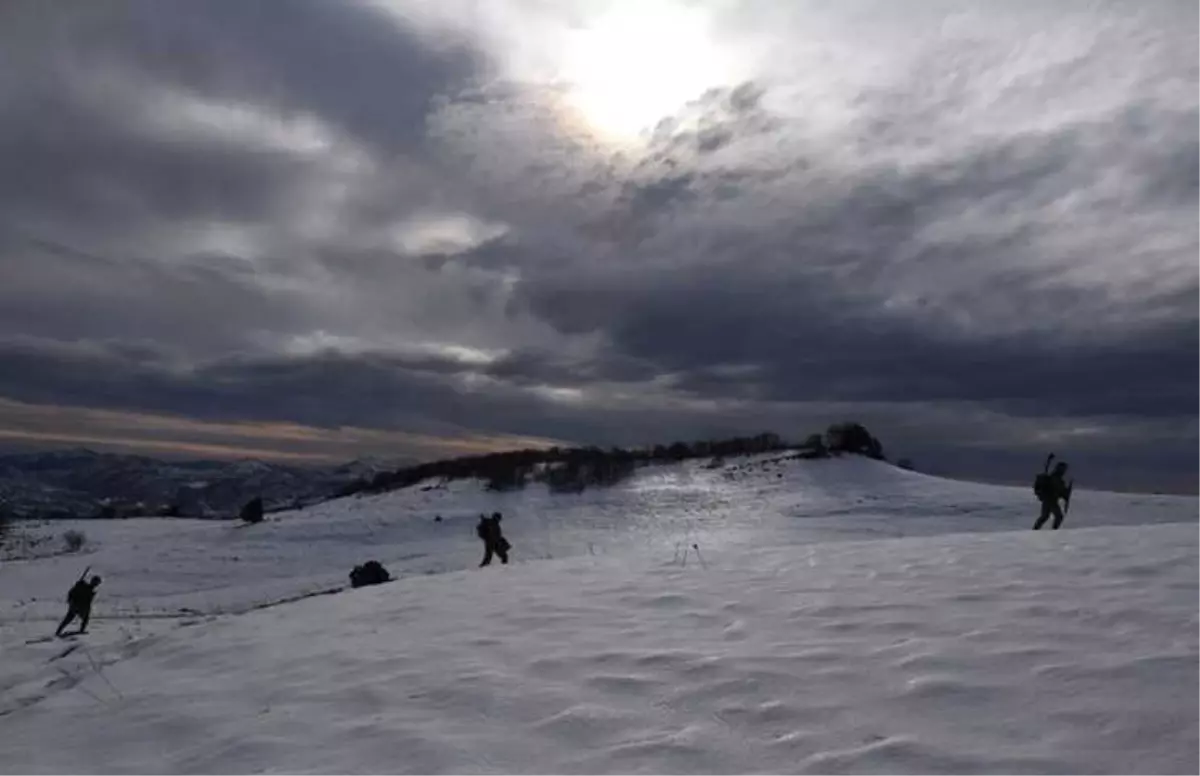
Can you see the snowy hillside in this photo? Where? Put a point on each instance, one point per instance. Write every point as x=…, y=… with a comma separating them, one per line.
x=157, y=566
x=838, y=616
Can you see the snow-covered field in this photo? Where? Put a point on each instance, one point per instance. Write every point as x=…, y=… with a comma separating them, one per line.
x=838, y=616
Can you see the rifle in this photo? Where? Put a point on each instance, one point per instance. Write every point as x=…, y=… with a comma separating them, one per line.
x=1070, y=485
x=84, y=574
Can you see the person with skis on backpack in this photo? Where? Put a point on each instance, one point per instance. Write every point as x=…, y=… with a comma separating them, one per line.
x=79, y=603
x=494, y=542
x=1050, y=487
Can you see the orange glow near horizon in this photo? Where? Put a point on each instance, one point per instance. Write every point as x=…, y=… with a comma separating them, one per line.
x=281, y=441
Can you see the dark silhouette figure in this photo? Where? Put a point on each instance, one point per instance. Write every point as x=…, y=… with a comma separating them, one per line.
x=493, y=540
x=1049, y=488
x=79, y=604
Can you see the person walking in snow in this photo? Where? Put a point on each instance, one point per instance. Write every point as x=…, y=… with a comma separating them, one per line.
x=494, y=542
x=1049, y=487
x=79, y=603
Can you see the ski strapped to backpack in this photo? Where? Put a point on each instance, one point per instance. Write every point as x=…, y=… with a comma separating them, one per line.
x=1042, y=481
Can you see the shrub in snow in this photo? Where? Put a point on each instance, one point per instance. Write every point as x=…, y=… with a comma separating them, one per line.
x=253, y=511
x=506, y=478
x=578, y=474
x=73, y=540
x=814, y=446
x=852, y=437
x=369, y=573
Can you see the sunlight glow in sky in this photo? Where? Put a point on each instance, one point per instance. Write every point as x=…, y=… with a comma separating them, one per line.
x=635, y=65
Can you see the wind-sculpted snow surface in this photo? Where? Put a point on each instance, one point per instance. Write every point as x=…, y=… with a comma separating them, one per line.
x=1000, y=653
x=851, y=618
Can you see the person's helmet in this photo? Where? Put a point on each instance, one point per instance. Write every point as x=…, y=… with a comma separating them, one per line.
x=1060, y=467
x=95, y=581
x=496, y=516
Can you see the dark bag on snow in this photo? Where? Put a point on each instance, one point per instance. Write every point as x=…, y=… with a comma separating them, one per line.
x=370, y=573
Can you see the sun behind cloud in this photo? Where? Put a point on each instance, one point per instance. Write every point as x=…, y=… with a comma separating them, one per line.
x=627, y=69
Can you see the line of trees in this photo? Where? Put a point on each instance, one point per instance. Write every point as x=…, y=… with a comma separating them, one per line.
x=573, y=469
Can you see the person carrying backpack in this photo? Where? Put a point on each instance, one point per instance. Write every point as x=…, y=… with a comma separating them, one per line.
x=1050, y=487
x=79, y=602
x=494, y=543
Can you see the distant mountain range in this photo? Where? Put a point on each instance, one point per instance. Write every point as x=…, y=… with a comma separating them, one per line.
x=83, y=483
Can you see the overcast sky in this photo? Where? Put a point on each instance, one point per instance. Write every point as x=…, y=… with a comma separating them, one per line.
x=316, y=230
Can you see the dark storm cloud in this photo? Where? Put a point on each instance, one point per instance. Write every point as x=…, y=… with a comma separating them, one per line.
x=68, y=292
x=792, y=346
x=422, y=393
x=531, y=367
x=123, y=134
x=805, y=307
x=70, y=160
x=91, y=134
x=322, y=389
x=349, y=63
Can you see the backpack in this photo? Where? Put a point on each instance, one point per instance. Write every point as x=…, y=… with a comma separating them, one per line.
x=78, y=593
x=1043, y=486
